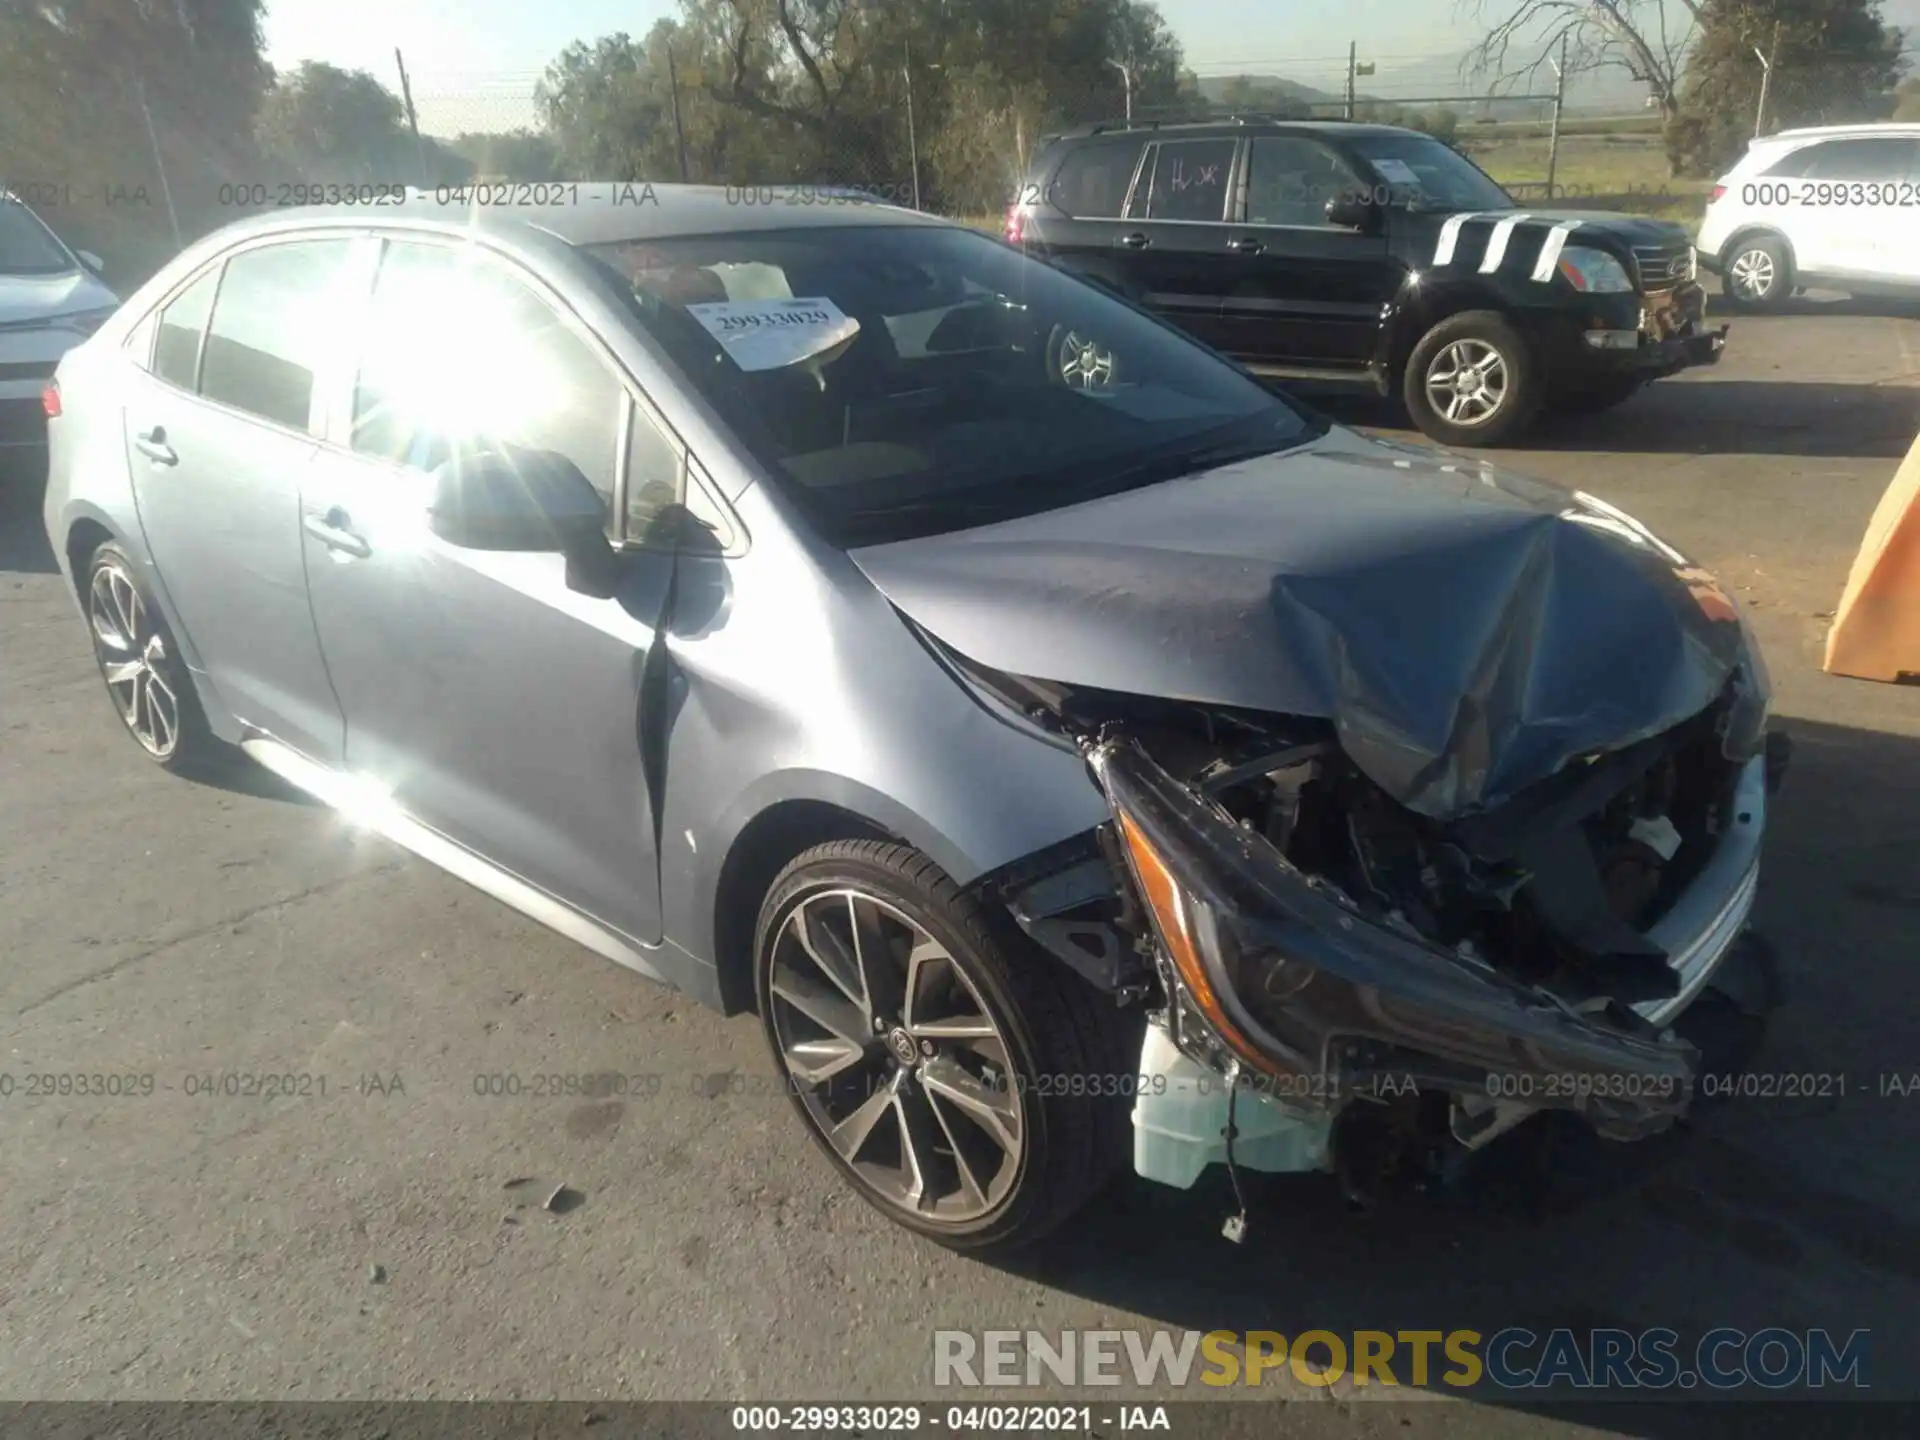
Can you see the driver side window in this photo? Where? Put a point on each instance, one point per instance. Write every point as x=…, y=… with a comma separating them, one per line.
x=458, y=352
x=1290, y=179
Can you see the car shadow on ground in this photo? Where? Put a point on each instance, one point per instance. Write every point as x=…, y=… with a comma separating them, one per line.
x=23, y=540
x=1799, y=1211
x=1705, y=417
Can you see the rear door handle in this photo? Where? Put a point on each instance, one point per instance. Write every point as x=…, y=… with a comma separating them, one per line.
x=1247, y=245
x=1135, y=241
x=153, y=444
x=335, y=531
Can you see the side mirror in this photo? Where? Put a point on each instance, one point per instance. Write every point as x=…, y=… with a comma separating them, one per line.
x=530, y=501
x=92, y=261
x=1352, y=212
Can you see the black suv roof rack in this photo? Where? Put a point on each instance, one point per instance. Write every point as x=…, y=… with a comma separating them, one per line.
x=1250, y=117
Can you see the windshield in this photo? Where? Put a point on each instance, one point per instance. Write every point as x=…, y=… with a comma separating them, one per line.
x=26, y=246
x=1423, y=174
x=911, y=379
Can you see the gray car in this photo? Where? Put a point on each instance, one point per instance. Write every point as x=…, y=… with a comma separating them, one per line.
x=51, y=298
x=771, y=599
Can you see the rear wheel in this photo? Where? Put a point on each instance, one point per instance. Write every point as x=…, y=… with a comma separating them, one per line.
x=1471, y=381
x=1759, y=273
x=146, y=679
x=931, y=1055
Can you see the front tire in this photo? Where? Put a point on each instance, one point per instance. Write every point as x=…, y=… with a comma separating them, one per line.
x=931, y=1052
x=145, y=676
x=1758, y=273
x=1472, y=381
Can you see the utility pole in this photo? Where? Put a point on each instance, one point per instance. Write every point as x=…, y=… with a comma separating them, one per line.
x=1125, y=67
x=413, y=120
x=1353, y=66
x=159, y=161
x=1766, y=77
x=1559, y=104
x=679, y=135
x=913, y=143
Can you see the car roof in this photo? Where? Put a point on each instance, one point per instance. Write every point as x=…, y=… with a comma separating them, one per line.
x=1232, y=125
x=603, y=212
x=1894, y=128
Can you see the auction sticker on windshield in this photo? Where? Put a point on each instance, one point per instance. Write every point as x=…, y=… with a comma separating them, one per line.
x=1396, y=172
x=767, y=334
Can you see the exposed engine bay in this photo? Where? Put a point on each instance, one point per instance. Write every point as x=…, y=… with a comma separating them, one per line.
x=1381, y=980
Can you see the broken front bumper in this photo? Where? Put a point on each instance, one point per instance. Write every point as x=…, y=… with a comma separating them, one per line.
x=1277, y=980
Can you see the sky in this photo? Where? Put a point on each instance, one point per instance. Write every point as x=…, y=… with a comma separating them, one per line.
x=473, y=62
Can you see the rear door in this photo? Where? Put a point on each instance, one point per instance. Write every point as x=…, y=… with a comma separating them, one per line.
x=219, y=435
x=495, y=704
x=1839, y=225
x=1175, y=229
x=1300, y=291
x=1076, y=216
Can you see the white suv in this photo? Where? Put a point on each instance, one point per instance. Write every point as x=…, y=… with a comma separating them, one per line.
x=1837, y=207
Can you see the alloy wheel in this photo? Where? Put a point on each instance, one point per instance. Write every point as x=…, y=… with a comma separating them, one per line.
x=896, y=1058
x=1467, y=382
x=132, y=653
x=1753, y=274
x=1083, y=364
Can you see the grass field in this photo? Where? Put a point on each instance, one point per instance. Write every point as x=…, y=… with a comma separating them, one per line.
x=1604, y=171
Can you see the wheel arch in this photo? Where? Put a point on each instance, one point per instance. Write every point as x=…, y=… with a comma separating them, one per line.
x=1754, y=230
x=85, y=535
x=762, y=849
x=1420, y=307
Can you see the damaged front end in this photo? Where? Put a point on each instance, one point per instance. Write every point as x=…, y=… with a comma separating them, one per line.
x=1343, y=982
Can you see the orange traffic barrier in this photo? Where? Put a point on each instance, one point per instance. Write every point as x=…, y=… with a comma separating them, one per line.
x=1876, y=630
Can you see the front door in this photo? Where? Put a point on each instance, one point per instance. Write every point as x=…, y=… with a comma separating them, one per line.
x=1300, y=291
x=218, y=440
x=488, y=699
x=1169, y=242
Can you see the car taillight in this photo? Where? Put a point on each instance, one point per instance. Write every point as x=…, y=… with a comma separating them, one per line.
x=1014, y=224
x=50, y=399
x=1718, y=191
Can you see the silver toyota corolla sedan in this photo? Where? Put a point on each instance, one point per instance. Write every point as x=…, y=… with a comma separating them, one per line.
x=1064, y=744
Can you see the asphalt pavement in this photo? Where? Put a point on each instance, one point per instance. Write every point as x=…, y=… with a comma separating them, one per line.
x=391, y=1238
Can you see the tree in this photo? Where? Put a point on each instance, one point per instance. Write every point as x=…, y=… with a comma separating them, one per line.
x=1647, y=38
x=508, y=155
x=322, y=124
x=81, y=81
x=1907, y=101
x=1833, y=62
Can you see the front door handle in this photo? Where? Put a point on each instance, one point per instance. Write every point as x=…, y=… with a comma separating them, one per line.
x=335, y=531
x=1135, y=241
x=1246, y=245
x=153, y=444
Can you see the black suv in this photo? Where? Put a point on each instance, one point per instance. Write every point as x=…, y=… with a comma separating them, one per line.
x=1338, y=250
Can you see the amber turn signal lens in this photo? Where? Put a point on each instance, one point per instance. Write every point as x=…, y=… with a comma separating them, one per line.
x=1169, y=909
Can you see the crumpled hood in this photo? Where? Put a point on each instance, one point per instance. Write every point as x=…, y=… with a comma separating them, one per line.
x=1467, y=632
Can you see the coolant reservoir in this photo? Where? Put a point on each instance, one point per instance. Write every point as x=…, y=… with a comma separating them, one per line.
x=1180, y=1126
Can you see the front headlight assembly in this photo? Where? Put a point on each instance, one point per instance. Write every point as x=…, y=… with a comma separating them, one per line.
x=1321, y=1003
x=1594, y=272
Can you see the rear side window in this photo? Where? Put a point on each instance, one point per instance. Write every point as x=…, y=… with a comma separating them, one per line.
x=1190, y=180
x=277, y=309
x=1093, y=179
x=183, y=325
x=1865, y=158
